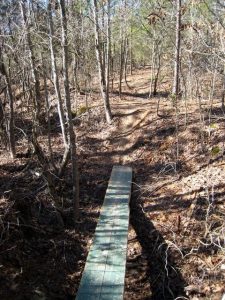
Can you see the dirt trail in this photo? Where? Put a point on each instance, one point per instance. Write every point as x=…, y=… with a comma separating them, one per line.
x=137, y=121
x=133, y=116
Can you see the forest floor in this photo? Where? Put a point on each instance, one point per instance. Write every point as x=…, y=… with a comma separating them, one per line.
x=177, y=231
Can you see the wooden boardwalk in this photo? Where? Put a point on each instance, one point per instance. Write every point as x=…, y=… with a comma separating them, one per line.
x=104, y=273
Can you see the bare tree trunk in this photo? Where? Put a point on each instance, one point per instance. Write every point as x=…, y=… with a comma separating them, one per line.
x=212, y=90
x=34, y=71
x=126, y=62
x=223, y=90
x=112, y=65
x=152, y=66
x=75, y=73
x=108, y=48
x=176, y=80
x=131, y=52
x=72, y=138
x=157, y=74
x=122, y=46
x=3, y=135
x=190, y=56
x=55, y=75
x=47, y=113
x=11, y=136
x=103, y=87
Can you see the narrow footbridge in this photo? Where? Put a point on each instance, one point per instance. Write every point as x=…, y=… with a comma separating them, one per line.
x=104, y=273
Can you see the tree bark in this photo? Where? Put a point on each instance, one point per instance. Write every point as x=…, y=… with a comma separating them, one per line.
x=156, y=79
x=176, y=80
x=34, y=71
x=223, y=90
x=48, y=113
x=98, y=49
x=71, y=134
x=131, y=54
x=122, y=51
x=10, y=130
x=108, y=48
x=55, y=75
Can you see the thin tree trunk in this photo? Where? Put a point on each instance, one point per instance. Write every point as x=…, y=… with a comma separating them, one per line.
x=3, y=134
x=112, y=66
x=75, y=73
x=223, y=90
x=55, y=75
x=47, y=114
x=34, y=71
x=157, y=74
x=212, y=90
x=103, y=87
x=152, y=67
x=176, y=81
x=131, y=52
x=190, y=56
x=126, y=63
x=108, y=47
x=10, y=130
x=122, y=50
x=72, y=138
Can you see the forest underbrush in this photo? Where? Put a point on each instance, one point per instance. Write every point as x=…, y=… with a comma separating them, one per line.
x=176, y=244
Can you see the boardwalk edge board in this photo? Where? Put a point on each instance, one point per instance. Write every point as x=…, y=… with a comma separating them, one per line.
x=104, y=273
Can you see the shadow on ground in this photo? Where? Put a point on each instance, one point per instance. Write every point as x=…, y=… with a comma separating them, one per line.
x=165, y=279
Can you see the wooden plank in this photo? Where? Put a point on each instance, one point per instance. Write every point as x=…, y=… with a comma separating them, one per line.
x=104, y=272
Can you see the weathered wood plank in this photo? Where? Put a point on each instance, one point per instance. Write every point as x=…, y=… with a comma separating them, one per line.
x=104, y=273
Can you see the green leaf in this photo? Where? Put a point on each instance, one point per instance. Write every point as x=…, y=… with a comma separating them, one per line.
x=215, y=150
x=213, y=126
